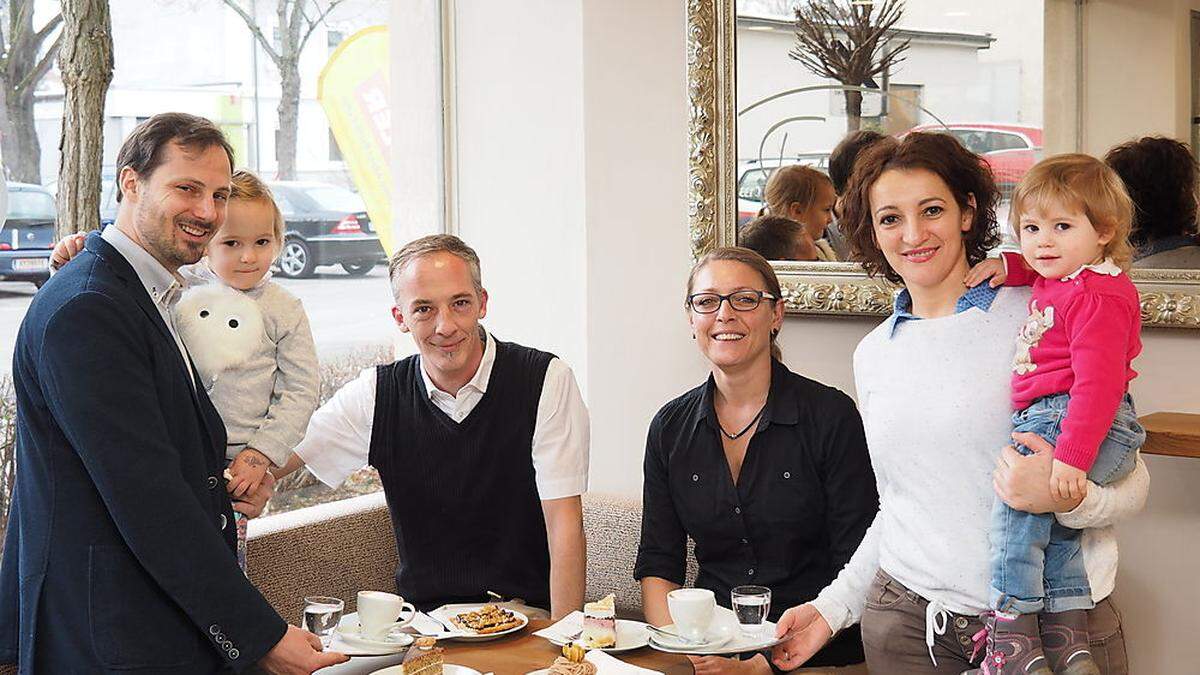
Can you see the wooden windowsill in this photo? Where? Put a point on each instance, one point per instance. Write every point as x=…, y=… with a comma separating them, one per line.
x=1174, y=434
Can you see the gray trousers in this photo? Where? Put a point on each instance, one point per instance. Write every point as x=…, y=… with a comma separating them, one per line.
x=893, y=631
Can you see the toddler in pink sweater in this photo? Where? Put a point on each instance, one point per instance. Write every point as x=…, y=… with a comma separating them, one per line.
x=1070, y=382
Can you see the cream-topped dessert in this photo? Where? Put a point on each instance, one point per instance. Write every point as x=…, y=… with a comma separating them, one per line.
x=600, y=623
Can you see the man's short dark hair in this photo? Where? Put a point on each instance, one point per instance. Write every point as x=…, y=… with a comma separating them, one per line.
x=841, y=160
x=772, y=237
x=142, y=150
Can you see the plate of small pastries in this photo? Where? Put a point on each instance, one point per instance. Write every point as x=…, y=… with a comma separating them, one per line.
x=425, y=658
x=486, y=622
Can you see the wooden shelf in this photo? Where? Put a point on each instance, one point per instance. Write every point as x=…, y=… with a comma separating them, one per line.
x=1174, y=434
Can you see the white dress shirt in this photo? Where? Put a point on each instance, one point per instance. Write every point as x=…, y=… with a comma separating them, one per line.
x=338, y=440
x=163, y=286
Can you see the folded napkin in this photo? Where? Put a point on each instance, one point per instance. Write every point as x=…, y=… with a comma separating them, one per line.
x=564, y=628
x=606, y=664
x=429, y=626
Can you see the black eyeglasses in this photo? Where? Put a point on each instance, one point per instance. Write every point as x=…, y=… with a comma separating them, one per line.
x=742, y=301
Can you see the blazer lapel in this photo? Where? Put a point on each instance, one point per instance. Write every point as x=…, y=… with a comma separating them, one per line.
x=124, y=271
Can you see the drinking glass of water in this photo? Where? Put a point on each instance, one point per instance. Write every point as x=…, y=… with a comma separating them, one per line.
x=751, y=604
x=321, y=615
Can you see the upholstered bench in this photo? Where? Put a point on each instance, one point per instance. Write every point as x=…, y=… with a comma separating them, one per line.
x=339, y=549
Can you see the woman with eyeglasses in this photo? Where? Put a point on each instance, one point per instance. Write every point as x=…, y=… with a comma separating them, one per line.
x=766, y=470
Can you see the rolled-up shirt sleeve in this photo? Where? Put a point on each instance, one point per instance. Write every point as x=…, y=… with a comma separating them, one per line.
x=338, y=440
x=662, y=551
x=561, y=436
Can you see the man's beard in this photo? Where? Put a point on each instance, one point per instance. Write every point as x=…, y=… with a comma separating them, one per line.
x=163, y=244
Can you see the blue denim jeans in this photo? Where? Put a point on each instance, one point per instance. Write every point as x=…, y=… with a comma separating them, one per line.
x=1037, y=563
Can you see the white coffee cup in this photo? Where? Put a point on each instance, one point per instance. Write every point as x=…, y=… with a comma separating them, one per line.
x=692, y=611
x=379, y=613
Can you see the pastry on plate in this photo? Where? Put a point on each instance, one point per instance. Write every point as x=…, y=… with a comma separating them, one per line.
x=423, y=658
x=600, y=623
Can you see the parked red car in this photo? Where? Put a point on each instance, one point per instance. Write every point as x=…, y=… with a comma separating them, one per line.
x=1010, y=149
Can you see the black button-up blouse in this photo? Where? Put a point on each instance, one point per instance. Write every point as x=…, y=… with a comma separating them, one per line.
x=803, y=501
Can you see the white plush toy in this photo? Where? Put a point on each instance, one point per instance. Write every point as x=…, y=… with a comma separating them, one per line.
x=221, y=327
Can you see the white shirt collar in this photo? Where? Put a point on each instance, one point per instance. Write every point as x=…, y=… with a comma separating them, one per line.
x=482, y=375
x=1106, y=266
x=162, y=286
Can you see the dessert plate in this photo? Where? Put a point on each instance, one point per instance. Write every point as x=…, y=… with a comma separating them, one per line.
x=630, y=635
x=466, y=634
x=447, y=669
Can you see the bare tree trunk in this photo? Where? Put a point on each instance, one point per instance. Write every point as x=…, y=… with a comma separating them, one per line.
x=289, y=119
x=853, y=110
x=21, y=148
x=86, y=62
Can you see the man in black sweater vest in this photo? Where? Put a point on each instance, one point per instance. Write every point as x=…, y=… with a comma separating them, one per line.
x=481, y=445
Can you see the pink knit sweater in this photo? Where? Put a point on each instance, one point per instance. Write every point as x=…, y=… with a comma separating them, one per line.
x=1080, y=338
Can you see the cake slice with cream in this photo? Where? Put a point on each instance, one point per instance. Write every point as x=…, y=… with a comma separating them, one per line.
x=600, y=623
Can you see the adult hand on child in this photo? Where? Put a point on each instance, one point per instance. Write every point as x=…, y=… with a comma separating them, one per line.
x=992, y=268
x=68, y=247
x=1067, y=482
x=1023, y=481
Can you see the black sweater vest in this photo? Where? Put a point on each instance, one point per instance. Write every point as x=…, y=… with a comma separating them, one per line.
x=462, y=496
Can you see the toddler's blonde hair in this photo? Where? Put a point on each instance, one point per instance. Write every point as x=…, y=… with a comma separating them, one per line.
x=251, y=188
x=1087, y=185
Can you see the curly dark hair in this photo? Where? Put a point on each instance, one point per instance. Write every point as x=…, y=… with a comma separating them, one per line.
x=1160, y=175
x=841, y=160
x=965, y=173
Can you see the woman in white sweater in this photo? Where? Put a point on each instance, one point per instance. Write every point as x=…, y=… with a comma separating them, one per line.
x=933, y=389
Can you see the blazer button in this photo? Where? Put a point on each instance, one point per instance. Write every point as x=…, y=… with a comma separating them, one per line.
x=233, y=654
x=214, y=629
x=224, y=521
x=212, y=482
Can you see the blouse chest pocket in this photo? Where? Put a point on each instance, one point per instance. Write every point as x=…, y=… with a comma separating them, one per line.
x=698, y=499
x=793, y=496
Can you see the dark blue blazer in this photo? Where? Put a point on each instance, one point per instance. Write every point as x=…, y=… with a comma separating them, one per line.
x=120, y=546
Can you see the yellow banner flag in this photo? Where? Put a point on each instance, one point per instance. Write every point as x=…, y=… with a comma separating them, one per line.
x=354, y=90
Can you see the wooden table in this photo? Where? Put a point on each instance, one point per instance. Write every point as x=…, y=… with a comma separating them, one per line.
x=1174, y=434
x=515, y=654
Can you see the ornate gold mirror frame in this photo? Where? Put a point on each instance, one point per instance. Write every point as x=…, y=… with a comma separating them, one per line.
x=1170, y=298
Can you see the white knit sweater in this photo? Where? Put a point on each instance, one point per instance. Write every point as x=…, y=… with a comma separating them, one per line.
x=935, y=403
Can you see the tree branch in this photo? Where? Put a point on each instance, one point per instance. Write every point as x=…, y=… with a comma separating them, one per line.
x=312, y=25
x=252, y=24
x=43, y=66
x=40, y=36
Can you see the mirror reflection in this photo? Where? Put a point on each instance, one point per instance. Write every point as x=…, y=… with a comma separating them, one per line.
x=819, y=81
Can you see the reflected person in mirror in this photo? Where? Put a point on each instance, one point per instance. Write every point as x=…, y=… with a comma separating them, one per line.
x=805, y=195
x=1160, y=175
x=481, y=446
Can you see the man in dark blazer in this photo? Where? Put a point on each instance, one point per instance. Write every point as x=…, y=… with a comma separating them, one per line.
x=120, y=551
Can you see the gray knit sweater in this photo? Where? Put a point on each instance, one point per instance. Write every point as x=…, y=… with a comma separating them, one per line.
x=266, y=402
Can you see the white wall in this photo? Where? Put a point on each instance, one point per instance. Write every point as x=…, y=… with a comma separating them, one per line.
x=520, y=167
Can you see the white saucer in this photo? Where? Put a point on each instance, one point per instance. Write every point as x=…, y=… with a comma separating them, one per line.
x=355, y=644
x=718, y=635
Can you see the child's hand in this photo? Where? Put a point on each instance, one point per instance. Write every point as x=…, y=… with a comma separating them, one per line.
x=247, y=471
x=1067, y=482
x=68, y=247
x=991, y=268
